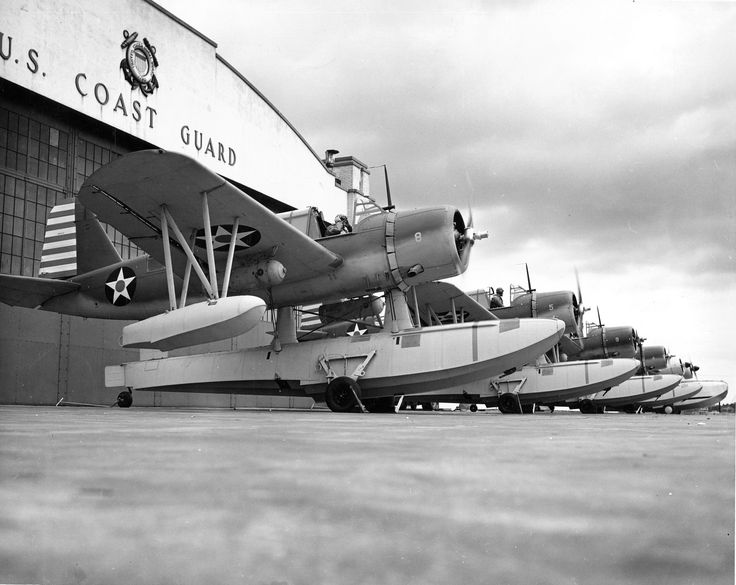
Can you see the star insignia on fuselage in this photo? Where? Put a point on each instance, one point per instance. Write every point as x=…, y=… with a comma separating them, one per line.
x=357, y=331
x=247, y=237
x=120, y=286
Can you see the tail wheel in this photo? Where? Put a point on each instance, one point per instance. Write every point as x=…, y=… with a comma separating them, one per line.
x=341, y=394
x=125, y=399
x=508, y=404
x=473, y=408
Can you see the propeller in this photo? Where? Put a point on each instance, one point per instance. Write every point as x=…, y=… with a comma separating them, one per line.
x=529, y=290
x=580, y=309
x=469, y=237
x=693, y=368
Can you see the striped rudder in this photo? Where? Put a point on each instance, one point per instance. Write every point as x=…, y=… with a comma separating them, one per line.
x=59, y=254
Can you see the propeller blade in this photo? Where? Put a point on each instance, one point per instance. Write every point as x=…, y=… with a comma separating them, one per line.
x=580, y=292
x=470, y=236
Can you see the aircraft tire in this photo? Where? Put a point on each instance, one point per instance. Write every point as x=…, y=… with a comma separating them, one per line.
x=125, y=399
x=339, y=395
x=527, y=408
x=508, y=404
x=587, y=407
x=668, y=409
x=473, y=408
x=427, y=406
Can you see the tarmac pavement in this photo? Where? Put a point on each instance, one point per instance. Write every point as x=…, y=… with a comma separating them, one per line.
x=150, y=495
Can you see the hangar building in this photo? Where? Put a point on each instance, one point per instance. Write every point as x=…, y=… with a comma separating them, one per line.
x=83, y=83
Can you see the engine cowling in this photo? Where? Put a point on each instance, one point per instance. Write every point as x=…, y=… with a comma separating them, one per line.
x=562, y=305
x=430, y=244
x=655, y=357
x=607, y=342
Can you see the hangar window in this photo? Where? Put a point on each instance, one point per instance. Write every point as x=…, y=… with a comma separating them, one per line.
x=90, y=156
x=33, y=174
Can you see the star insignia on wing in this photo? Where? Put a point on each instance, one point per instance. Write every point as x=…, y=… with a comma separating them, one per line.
x=121, y=285
x=246, y=237
x=357, y=331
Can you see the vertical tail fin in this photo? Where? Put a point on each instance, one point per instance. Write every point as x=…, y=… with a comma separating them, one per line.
x=59, y=254
x=74, y=243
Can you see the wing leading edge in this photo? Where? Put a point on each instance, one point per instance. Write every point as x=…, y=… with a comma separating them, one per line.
x=129, y=192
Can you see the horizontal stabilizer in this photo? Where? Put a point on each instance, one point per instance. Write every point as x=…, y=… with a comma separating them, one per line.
x=29, y=291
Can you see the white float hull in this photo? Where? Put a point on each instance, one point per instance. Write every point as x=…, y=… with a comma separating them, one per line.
x=415, y=361
x=636, y=389
x=683, y=391
x=562, y=381
x=711, y=393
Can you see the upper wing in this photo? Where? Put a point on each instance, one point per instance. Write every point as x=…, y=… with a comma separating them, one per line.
x=443, y=297
x=28, y=291
x=128, y=194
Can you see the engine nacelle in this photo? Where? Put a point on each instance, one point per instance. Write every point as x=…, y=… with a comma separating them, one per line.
x=430, y=244
x=562, y=305
x=655, y=358
x=607, y=342
x=680, y=368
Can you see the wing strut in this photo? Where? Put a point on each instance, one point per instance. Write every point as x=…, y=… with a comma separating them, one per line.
x=230, y=256
x=167, y=261
x=188, y=251
x=208, y=242
x=185, y=284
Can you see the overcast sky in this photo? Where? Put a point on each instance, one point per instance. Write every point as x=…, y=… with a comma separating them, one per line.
x=595, y=134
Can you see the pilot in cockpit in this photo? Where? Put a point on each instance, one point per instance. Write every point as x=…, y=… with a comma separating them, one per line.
x=341, y=226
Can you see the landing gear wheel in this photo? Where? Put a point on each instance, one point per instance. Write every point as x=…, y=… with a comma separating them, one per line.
x=586, y=406
x=527, y=408
x=125, y=399
x=668, y=409
x=427, y=406
x=341, y=393
x=473, y=408
x=508, y=404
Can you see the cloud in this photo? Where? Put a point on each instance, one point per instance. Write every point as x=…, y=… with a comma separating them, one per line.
x=596, y=134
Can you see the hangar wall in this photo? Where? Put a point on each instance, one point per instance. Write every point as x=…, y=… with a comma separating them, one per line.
x=67, y=106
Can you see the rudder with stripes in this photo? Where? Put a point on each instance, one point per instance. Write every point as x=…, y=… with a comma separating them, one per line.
x=59, y=253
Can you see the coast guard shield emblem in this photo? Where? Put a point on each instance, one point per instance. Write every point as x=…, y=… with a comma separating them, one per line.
x=139, y=64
